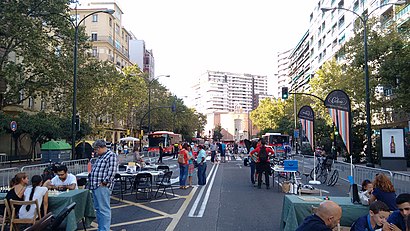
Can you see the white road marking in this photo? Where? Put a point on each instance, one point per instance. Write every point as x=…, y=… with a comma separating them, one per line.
x=203, y=206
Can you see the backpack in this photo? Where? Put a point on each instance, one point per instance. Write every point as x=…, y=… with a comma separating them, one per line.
x=263, y=155
x=181, y=159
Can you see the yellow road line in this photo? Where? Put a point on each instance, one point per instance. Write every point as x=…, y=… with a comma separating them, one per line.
x=120, y=206
x=134, y=222
x=178, y=215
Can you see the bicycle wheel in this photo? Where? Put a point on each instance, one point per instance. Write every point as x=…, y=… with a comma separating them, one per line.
x=322, y=177
x=333, y=178
x=311, y=172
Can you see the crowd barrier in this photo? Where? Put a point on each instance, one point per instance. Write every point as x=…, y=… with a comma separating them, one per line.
x=401, y=182
x=76, y=166
x=6, y=175
x=344, y=170
x=362, y=173
x=36, y=169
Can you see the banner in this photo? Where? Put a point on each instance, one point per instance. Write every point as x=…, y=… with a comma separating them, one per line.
x=338, y=104
x=307, y=117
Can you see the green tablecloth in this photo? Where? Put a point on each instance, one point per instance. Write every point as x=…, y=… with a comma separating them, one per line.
x=295, y=210
x=84, y=206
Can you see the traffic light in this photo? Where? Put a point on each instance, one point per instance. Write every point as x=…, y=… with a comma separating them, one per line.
x=285, y=92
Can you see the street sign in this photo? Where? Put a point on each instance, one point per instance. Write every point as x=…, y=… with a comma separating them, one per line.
x=13, y=126
x=296, y=133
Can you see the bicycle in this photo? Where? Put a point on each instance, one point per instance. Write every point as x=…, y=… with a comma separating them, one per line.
x=323, y=169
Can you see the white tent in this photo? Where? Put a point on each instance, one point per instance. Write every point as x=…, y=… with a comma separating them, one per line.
x=129, y=138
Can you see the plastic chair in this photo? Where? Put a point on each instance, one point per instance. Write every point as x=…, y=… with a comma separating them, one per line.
x=14, y=221
x=165, y=183
x=42, y=224
x=143, y=182
x=62, y=215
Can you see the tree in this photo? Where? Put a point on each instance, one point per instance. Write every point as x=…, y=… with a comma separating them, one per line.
x=217, y=136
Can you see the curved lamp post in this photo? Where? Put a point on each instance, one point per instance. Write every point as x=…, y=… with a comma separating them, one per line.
x=364, y=18
x=76, y=25
x=149, y=99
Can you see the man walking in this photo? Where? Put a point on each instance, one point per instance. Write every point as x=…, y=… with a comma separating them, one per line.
x=101, y=182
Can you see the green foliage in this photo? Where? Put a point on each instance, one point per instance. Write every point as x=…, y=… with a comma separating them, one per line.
x=217, y=136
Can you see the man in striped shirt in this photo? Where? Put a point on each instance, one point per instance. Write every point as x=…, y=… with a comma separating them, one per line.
x=101, y=182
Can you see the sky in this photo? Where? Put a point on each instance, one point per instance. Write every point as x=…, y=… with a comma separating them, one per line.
x=189, y=37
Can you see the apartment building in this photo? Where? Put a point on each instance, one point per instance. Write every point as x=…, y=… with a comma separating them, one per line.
x=328, y=31
x=226, y=91
x=142, y=57
x=282, y=76
x=110, y=40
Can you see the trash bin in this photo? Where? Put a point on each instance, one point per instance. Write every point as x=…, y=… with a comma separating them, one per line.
x=55, y=151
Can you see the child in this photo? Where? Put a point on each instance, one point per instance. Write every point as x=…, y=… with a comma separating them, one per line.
x=367, y=188
x=378, y=214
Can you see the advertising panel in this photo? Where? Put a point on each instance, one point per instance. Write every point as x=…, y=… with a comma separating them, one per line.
x=392, y=143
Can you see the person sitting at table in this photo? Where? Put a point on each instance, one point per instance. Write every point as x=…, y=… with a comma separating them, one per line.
x=364, y=194
x=327, y=216
x=396, y=220
x=35, y=192
x=378, y=214
x=18, y=185
x=384, y=191
x=63, y=180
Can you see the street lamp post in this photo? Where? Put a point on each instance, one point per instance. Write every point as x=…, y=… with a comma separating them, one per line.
x=149, y=99
x=364, y=20
x=76, y=26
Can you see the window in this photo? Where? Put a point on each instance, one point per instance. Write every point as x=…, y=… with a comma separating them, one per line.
x=341, y=21
x=94, y=36
x=311, y=17
x=95, y=17
x=323, y=26
x=334, y=43
x=319, y=43
x=356, y=6
x=110, y=22
x=342, y=39
x=95, y=52
x=117, y=29
x=43, y=105
x=30, y=102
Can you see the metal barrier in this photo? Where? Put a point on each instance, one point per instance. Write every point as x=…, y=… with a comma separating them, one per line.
x=401, y=182
x=32, y=170
x=344, y=169
x=362, y=173
x=6, y=175
x=76, y=166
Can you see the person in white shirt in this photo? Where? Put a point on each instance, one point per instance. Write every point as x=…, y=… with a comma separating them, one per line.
x=35, y=192
x=63, y=180
x=364, y=194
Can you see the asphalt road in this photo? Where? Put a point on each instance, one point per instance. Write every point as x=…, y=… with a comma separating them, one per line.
x=227, y=202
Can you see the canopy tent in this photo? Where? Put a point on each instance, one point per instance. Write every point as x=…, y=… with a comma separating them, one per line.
x=129, y=138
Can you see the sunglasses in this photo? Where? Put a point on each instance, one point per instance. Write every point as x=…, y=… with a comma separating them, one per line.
x=407, y=209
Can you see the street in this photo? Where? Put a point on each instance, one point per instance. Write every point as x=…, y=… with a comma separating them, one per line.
x=227, y=202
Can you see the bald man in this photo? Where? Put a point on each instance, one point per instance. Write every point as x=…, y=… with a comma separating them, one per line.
x=326, y=218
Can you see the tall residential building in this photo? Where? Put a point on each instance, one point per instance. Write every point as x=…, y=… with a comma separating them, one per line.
x=110, y=40
x=229, y=92
x=142, y=57
x=328, y=31
x=282, y=77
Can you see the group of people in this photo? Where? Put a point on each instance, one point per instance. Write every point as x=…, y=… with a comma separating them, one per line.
x=259, y=162
x=188, y=163
x=387, y=211
x=38, y=190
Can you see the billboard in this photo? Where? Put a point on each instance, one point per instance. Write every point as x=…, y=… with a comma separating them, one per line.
x=392, y=143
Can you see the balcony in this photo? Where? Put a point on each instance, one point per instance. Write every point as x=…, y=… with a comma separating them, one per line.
x=403, y=15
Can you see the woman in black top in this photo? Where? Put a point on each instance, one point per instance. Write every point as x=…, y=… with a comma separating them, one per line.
x=18, y=185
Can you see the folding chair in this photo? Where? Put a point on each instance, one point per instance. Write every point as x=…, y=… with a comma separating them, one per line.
x=143, y=182
x=164, y=168
x=61, y=216
x=42, y=224
x=165, y=183
x=120, y=185
x=6, y=214
x=14, y=221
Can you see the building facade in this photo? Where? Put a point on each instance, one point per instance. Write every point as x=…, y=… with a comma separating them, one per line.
x=282, y=78
x=142, y=57
x=229, y=92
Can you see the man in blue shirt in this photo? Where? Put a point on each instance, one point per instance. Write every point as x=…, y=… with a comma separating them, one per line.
x=378, y=213
x=326, y=218
x=396, y=220
x=201, y=160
